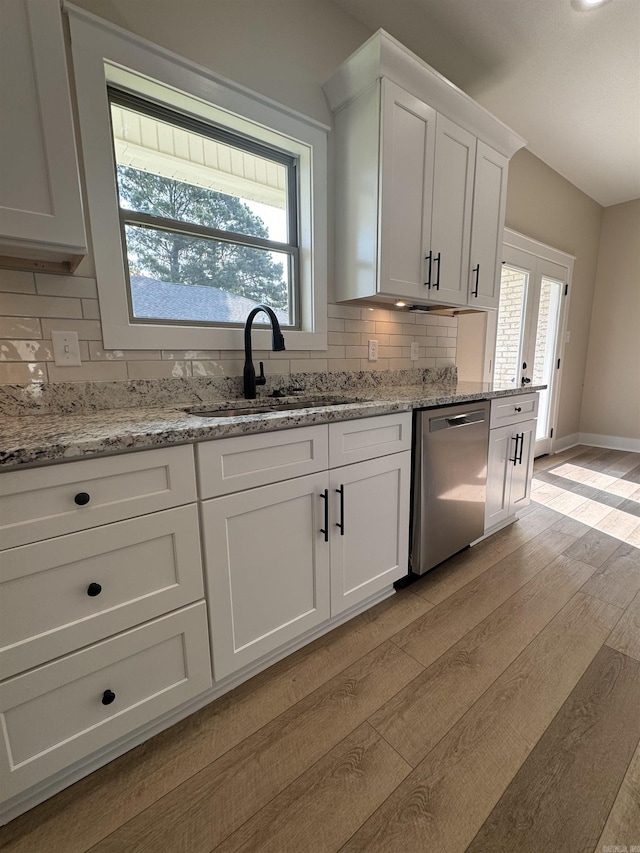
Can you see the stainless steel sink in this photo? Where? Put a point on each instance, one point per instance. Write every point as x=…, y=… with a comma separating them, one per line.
x=240, y=411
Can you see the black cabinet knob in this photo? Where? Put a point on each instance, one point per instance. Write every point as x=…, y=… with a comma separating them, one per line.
x=518, y=408
x=108, y=697
x=94, y=589
x=82, y=498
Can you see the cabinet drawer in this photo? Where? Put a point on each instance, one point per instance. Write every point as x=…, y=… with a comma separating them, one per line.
x=56, y=714
x=246, y=461
x=60, y=595
x=513, y=410
x=368, y=438
x=44, y=502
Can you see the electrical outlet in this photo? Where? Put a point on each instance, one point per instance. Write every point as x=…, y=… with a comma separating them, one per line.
x=414, y=351
x=373, y=350
x=66, y=349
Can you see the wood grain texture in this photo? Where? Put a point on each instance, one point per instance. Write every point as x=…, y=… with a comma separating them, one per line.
x=465, y=567
x=435, y=632
x=623, y=824
x=446, y=799
x=415, y=720
x=213, y=803
x=593, y=548
x=618, y=579
x=550, y=803
x=155, y=768
x=327, y=804
x=625, y=637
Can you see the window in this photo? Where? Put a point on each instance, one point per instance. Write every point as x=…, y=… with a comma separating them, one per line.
x=204, y=199
x=209, y=219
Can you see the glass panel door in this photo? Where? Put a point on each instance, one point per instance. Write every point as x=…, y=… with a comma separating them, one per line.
x=545, y=345
x=509, y=333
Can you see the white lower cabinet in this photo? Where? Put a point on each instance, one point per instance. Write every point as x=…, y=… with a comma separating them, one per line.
x=370, y=534
x=281, y=559
x=510, y=462
x=267, y=568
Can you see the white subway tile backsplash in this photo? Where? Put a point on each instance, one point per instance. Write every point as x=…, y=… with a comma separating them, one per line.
x=33, y=306
x=20, y=327
x=28, y=305
x=14, y=281
x=66, y=285
x=17, y=350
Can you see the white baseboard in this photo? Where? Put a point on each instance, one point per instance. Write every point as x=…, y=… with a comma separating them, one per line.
x=607, y=442
x=610, y=442
x=566, y=442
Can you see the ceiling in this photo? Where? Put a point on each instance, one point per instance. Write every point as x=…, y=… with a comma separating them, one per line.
x=565, y=78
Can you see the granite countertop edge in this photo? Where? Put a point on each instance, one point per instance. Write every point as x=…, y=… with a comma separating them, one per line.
x=29, y=440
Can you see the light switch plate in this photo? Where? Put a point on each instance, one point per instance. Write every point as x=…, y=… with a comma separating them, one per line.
x=66, y=349
x=373, y=350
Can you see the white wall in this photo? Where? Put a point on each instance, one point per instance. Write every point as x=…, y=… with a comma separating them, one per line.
x=611, y=399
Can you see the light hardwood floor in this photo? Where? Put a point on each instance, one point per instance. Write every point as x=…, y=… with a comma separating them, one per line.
x=494, y=705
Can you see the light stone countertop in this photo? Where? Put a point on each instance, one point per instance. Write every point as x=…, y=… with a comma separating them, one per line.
x=44, y=438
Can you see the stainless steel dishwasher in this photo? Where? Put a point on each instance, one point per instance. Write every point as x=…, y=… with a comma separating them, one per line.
x=449, y=481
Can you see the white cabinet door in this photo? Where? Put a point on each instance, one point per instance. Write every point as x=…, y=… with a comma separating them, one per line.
x=522, y=471
x=451, y=221
x=369, y=528
x=489, y=201
x=40, y=203
x=267, y=568
x=501, y=450
x=406, y=181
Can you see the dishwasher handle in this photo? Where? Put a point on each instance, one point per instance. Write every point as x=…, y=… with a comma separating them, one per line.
x=451, y=421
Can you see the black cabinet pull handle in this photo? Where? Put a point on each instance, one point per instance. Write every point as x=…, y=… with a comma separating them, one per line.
x=515, y=438
x=82, y=498
x=94, y=589
x=108, y=697
x=521, y=447
x=518, y=408
x=428, y=281
x=476, y=270
x=325, y=497
x=340, y=523
x=437, y=281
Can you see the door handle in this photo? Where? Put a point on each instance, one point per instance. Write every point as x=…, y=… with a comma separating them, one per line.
x=525, y=380
x=325, y=497
x=340, y=523
x=476, y=270
x=436, y=260
x=428, y=281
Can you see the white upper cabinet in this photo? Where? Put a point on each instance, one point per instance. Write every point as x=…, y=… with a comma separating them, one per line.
x=421, y=176
x=41, y=219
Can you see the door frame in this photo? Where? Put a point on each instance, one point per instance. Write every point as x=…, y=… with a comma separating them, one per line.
x=540, y=254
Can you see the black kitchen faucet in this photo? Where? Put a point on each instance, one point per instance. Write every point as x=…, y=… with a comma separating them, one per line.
x=250, y=378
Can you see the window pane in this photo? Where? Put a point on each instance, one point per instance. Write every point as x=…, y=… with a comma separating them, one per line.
x=167, y=170
x=513, y=289
x=175, y=277
x=546, y=339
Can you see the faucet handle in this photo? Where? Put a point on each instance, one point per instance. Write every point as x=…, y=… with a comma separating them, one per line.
x=261, y=379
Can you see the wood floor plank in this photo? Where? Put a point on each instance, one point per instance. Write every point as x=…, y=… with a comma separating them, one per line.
x=446, y=799
x=623, y=465
x=439, y=629
x=465, y=567
x=160, y=765
x=618, y=579
x=421, y=714
x=550, y=805
x=213, y=803
x=328, y=803
x=623, y=824
x=593, y=548
x=625, y=637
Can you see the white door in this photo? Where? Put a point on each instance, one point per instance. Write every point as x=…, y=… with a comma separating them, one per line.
x=406, y=189
x=531, y=325
x=369, y=528
x=489, y=201
x=267, y=568
x=448, y=253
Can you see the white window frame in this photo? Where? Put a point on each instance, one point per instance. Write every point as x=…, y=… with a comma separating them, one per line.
x=104, y=54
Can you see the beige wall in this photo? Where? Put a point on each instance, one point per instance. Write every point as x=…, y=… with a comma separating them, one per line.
x=543, y=205
x=611, y=400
